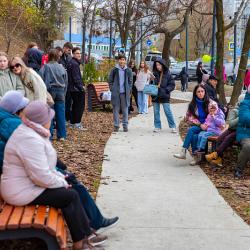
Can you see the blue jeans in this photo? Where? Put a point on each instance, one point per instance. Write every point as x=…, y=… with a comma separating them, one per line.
x=89, y=205
x=58, y=96
x=142, y=102
x=202, y=139
x=168, y=113
x=192, y=138
x=116, y=110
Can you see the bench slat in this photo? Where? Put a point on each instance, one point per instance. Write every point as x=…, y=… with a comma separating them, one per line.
x=61, y=234
x=4, y=216
x=52, y=221
x=15, y=218
x=28, y=215
x=40, y=217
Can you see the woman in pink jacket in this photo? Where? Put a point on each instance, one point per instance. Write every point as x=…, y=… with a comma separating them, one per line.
x=247, y=79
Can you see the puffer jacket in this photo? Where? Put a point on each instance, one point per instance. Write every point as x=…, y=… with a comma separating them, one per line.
x=9, y=81
x=243, y=127
x=29, y=167
x=8, y=123
x=167, y=84
x=216, y=123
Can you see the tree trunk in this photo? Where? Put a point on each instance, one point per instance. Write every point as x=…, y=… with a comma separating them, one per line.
x=132, y=53
x=8, y=42
x=91, y=32
x=84, y=23
x=242, y=67
x=166, y=48
x=220, y=35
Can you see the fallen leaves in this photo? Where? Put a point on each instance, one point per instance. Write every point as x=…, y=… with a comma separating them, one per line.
x=235, y=191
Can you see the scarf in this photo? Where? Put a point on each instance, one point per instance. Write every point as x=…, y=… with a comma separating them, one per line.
x=36, y=127
x=201, y=113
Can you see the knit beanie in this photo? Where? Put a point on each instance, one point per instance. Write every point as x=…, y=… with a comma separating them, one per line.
x=13, y=101
x=39, y=112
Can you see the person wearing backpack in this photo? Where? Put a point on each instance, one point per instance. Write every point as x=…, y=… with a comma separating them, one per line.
x=120, y=84
x=55, y=78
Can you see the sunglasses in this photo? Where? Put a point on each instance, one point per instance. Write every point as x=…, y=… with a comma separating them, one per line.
x=15, y=66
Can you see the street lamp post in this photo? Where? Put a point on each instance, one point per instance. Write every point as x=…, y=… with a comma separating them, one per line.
x=141, y=42
x=110, y=39
x=70, y=28
x=187, y=47
x=235, y=47
x=213, y=39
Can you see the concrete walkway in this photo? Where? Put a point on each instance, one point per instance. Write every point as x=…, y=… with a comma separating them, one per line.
x=163, y=203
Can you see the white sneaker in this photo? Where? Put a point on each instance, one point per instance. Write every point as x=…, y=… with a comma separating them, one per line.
x=182, y=154
x=157, y=130
x=194, y=163
x=80, y=127
x=174, y=131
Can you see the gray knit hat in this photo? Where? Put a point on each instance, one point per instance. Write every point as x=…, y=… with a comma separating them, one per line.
x=39, y=112
x=13, y=101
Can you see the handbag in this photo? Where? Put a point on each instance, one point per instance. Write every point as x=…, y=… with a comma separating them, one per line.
x=152, y=89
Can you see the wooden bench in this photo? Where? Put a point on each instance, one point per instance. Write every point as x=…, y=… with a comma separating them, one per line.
x=45, y=223
x=94, y=95
x=212, y=141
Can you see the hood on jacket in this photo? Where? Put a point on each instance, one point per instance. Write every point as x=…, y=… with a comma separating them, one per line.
x=162, y=62
x=119, y=67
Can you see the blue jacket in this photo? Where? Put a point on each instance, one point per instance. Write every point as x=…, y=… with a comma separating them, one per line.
x=243, y=127
x=8, y=124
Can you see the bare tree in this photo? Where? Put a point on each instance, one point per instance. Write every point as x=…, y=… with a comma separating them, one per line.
x=220, y=37
x=242, y=67
x=201, y=26
x=172, y=17
x=128, y=14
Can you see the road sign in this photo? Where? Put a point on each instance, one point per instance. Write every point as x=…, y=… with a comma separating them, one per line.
x=231, y=46
x=149, y=42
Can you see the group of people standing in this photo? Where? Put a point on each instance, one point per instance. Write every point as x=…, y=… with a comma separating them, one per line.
x=125, y=82
x=30, y=171
x=54, y=78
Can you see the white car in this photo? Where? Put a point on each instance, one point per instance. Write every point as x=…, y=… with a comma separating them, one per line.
x=150, y=59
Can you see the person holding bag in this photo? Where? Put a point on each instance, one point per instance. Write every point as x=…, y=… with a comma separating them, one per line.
x=143, y=78
x=166, y=85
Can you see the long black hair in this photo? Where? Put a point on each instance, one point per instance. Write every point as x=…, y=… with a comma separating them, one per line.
x=134, y=69
x=193, y=105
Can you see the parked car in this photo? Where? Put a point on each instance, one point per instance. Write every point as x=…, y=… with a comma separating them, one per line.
x=176, y=69
x=152, y=56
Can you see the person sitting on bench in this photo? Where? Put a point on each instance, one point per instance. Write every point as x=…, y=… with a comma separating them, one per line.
x=243, y=135
x=227, y=138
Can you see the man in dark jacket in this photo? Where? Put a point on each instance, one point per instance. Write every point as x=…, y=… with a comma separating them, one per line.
x=66, y=56
x=210, y=86
x=64, y=60
x=166, y=85
x=120, y=84
x=76, y=89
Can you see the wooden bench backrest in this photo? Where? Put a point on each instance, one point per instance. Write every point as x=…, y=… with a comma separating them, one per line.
x=39, y=217
x=94, y=92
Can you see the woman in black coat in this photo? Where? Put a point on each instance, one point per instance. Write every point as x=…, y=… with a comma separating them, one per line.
x=166, y=85
x=132, y=66
x=199, y=72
